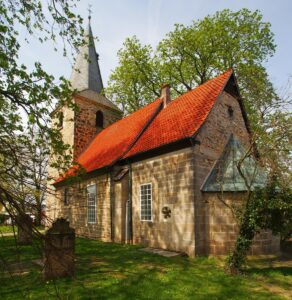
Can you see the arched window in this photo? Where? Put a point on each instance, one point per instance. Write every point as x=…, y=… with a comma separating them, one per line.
x=99, y=119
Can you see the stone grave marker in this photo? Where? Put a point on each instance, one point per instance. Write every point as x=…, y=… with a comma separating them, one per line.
x=59, y=250
x=24, y=230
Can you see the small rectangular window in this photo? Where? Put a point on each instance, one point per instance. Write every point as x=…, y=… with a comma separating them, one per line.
x=91, y=204
x=146, y=202
x=66, y=196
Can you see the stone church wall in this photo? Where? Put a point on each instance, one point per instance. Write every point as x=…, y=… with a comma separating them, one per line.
x=215, y=223
x=199, y=223
x=76, y=211
x=223, y=228
x=67, y=130
x=171, y=176
x=53, y=207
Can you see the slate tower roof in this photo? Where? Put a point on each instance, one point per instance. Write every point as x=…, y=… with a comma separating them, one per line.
x=86, y=72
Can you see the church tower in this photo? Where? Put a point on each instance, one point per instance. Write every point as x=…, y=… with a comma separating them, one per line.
x=79, y=127
x=95, y=111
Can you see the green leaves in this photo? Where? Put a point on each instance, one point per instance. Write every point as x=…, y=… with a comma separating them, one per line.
x=134, y=80
x=269, y=208
x=190, y=55
x=27, y=97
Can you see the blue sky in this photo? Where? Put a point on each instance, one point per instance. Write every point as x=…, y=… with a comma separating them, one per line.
x=114, y=20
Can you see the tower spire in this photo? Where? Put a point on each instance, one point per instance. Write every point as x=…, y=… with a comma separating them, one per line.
x=89, y=12
x=86, y=72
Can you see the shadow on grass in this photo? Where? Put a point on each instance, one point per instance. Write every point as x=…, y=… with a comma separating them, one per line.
x=114, y=271
x=273, y=277
x=285, y=271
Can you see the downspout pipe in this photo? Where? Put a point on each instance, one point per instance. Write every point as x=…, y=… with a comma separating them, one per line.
x=129, y=228
x=112, y=205
x=196, y=227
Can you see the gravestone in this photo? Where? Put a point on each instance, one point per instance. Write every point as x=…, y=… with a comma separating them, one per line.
x=24, y=230
x=59, y=250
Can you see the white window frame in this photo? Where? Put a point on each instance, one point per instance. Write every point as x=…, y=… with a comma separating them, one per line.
x=91, y=206
x=151, y=202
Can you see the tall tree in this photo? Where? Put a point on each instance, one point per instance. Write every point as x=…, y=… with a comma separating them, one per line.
x=27, y=97
x=135, y=80
x=191, y=55
x=36, y=158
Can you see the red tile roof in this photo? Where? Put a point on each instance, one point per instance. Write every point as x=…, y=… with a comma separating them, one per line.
x=180, y=119
x=112, y=142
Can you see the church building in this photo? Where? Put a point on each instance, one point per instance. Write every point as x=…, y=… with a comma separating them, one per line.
x=165, y=176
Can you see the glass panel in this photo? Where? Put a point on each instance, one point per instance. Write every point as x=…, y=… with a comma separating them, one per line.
x=146, y=202
x=91, y=204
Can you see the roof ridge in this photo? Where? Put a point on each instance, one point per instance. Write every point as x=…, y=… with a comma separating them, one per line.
x=205, y=83
x=187, y=92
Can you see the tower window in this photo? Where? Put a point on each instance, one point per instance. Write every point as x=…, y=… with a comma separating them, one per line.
x=230, y=111
x=99, y=119
x=66, y=196
x=60, y=119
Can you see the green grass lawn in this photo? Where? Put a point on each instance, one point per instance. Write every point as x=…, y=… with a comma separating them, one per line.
x=111, y=271
x=7, y=229
x=13, y=229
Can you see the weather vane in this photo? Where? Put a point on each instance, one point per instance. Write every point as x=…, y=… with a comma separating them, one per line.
x=89, y=11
